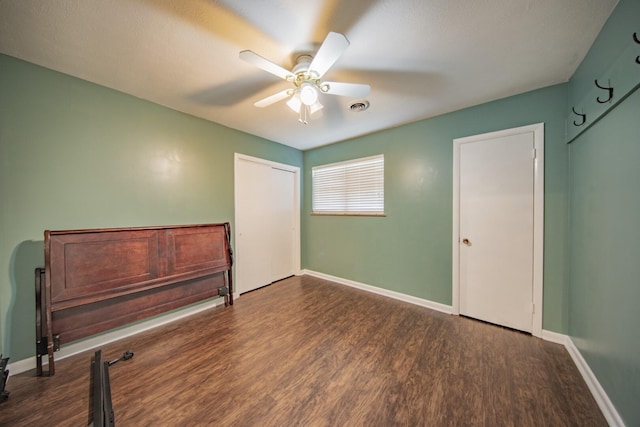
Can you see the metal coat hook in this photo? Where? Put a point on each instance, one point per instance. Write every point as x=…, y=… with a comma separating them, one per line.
x=637, y=40
x=609, y=89
x=584, y=117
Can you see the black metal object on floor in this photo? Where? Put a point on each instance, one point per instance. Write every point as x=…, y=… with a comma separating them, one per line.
x=4, y=375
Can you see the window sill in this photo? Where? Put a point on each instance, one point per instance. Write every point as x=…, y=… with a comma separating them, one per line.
x=347, y=214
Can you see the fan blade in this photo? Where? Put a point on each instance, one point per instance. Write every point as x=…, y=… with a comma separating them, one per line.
x=332, y=47
x=265, y=102
x=355, y=90
x=265, y=64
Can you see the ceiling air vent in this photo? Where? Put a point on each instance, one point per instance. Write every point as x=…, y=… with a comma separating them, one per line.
x=359, y=106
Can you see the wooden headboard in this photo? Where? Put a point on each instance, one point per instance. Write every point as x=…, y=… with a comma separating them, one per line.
x=100, y=279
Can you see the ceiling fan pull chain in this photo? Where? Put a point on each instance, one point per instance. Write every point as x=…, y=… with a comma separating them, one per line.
x=305, y=112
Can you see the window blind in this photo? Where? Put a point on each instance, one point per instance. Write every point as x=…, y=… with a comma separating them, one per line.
x=353, y=187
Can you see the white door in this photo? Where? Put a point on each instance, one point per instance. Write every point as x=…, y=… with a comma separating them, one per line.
x=283, y=224
x=496, y=236
x=267, y=239
x=253, y=251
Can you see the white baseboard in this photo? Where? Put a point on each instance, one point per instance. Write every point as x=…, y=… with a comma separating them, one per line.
x=380, y=291
x=103, y=339
x=599, y=394
x=20, y=366
x=554, y=337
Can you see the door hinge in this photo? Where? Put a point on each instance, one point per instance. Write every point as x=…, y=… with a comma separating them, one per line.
x=534, y=153
x=533, y=308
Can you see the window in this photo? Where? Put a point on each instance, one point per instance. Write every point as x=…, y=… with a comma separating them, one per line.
x=354, y=187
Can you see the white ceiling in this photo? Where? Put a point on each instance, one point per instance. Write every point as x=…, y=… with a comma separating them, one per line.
x=422, y=58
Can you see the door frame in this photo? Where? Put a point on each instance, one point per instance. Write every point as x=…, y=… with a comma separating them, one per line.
x=538, y=217
x=296, y=212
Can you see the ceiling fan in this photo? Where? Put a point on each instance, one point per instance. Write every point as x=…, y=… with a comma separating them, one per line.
x=306, y=77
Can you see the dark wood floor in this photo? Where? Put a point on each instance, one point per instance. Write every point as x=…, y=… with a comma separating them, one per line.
x=307, y=352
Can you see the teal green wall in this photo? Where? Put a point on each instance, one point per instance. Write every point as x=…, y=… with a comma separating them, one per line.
x=605, y=228
x=409, y=250
x=605, y=274
x=77, y=155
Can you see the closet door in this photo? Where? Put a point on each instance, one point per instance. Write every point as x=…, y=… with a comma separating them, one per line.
x=267, y=218
x=282, y=223
x=253, y=228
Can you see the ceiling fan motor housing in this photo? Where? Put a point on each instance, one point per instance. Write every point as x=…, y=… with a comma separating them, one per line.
x=301, y=72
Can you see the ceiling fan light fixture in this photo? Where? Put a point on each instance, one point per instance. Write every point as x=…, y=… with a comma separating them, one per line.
x=316, y=107
x=308, y=94
x=294, y=103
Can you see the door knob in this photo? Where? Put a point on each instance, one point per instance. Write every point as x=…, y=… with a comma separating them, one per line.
x=466, y=241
